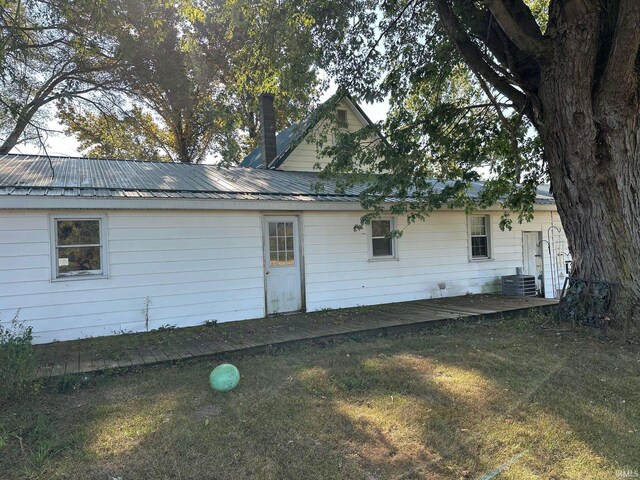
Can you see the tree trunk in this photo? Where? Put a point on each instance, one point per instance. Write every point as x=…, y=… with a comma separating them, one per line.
x=13, y=138
x=591, y=140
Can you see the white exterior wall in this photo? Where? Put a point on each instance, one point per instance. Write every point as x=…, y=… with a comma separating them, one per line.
x=204, y=265
x=193, y=267
x=339, y=272
x=304, y=156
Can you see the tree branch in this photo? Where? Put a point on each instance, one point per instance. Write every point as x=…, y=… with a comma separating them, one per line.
x=619, y=80
x=474, y=57
x=519, y=25
x=520, y=65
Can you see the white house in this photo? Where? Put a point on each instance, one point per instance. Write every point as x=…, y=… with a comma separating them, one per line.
x=94, y=247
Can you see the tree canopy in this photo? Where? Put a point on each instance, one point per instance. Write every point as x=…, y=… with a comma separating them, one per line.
x=529, y=90
x=197, y=71
x=44, y=59
x=445, y=122
x=186, y=74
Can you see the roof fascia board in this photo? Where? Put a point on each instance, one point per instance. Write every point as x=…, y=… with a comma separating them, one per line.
x=363, y=116
x=97, y=203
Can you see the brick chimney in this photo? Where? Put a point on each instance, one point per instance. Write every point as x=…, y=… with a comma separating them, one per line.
x=267, y=129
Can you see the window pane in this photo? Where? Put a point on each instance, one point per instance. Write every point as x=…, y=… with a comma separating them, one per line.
x=478, y=225
x=273, y=245
x=272, y=229
x=479, y=247
x=281, y=244
x=281, y=229
x=382, y=247
x=289, y=229
x=290, y=257
x=78, y=232
x=342, y=118
x=380, y=228
x=273, y=257
x=289, y=242
x=77, y=259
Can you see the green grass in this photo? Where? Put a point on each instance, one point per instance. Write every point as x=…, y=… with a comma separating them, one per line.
x=450, y=403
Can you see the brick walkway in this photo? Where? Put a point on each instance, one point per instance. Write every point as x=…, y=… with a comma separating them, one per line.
x=155, y=347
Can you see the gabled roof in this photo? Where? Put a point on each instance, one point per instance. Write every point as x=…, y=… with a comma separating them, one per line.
x=34, y=175
x=285, y=142
x=289, y=138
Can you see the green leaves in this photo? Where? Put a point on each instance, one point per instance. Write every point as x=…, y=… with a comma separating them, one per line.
x=446, y=128
x=126, y=134
x=194, y=71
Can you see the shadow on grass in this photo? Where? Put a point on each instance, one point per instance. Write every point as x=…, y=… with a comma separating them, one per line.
x=448, y=404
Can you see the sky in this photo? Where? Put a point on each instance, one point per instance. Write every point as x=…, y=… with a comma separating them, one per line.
x=64, y=145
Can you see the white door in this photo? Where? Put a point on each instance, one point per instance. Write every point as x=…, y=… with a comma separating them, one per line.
x=282, y=264
x=532, y=256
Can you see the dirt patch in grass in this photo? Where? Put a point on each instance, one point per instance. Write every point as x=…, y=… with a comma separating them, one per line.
x=450, y=403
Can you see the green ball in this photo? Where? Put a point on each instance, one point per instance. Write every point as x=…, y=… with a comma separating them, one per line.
x=224, y=377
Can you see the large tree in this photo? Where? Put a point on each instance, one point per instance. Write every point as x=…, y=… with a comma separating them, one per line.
x=196, y=70
x=259, y=47
x=159, y=85
x=533, y=90
x=160, y=80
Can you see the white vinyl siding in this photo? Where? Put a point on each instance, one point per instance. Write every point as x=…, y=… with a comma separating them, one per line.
x=304, y=156
x=339, y=273
x=192, y=266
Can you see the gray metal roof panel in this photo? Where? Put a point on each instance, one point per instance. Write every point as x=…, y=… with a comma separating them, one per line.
x=88, y=177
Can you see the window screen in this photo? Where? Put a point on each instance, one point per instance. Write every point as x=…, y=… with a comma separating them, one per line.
x=78, y=246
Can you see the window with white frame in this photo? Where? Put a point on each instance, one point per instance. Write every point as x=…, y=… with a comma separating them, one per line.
x=78, y=246
x=479, y=237
x=382, y=244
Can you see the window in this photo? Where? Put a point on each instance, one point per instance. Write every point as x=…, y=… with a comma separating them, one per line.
x=78, y=247
x=281, y=244
x=382, y=244
x=479, y=241
x=341, y=116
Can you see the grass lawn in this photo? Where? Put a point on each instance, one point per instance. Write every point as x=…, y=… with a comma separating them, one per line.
x=454, y=402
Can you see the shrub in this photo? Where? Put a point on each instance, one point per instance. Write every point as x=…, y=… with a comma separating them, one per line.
x=17, y=358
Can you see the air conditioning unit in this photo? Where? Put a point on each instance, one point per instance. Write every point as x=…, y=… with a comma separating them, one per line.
x=519, y=285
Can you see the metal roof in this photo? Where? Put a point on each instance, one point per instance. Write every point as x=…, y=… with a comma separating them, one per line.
x=95, y=177
x=36, y=175
x=285, y=141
